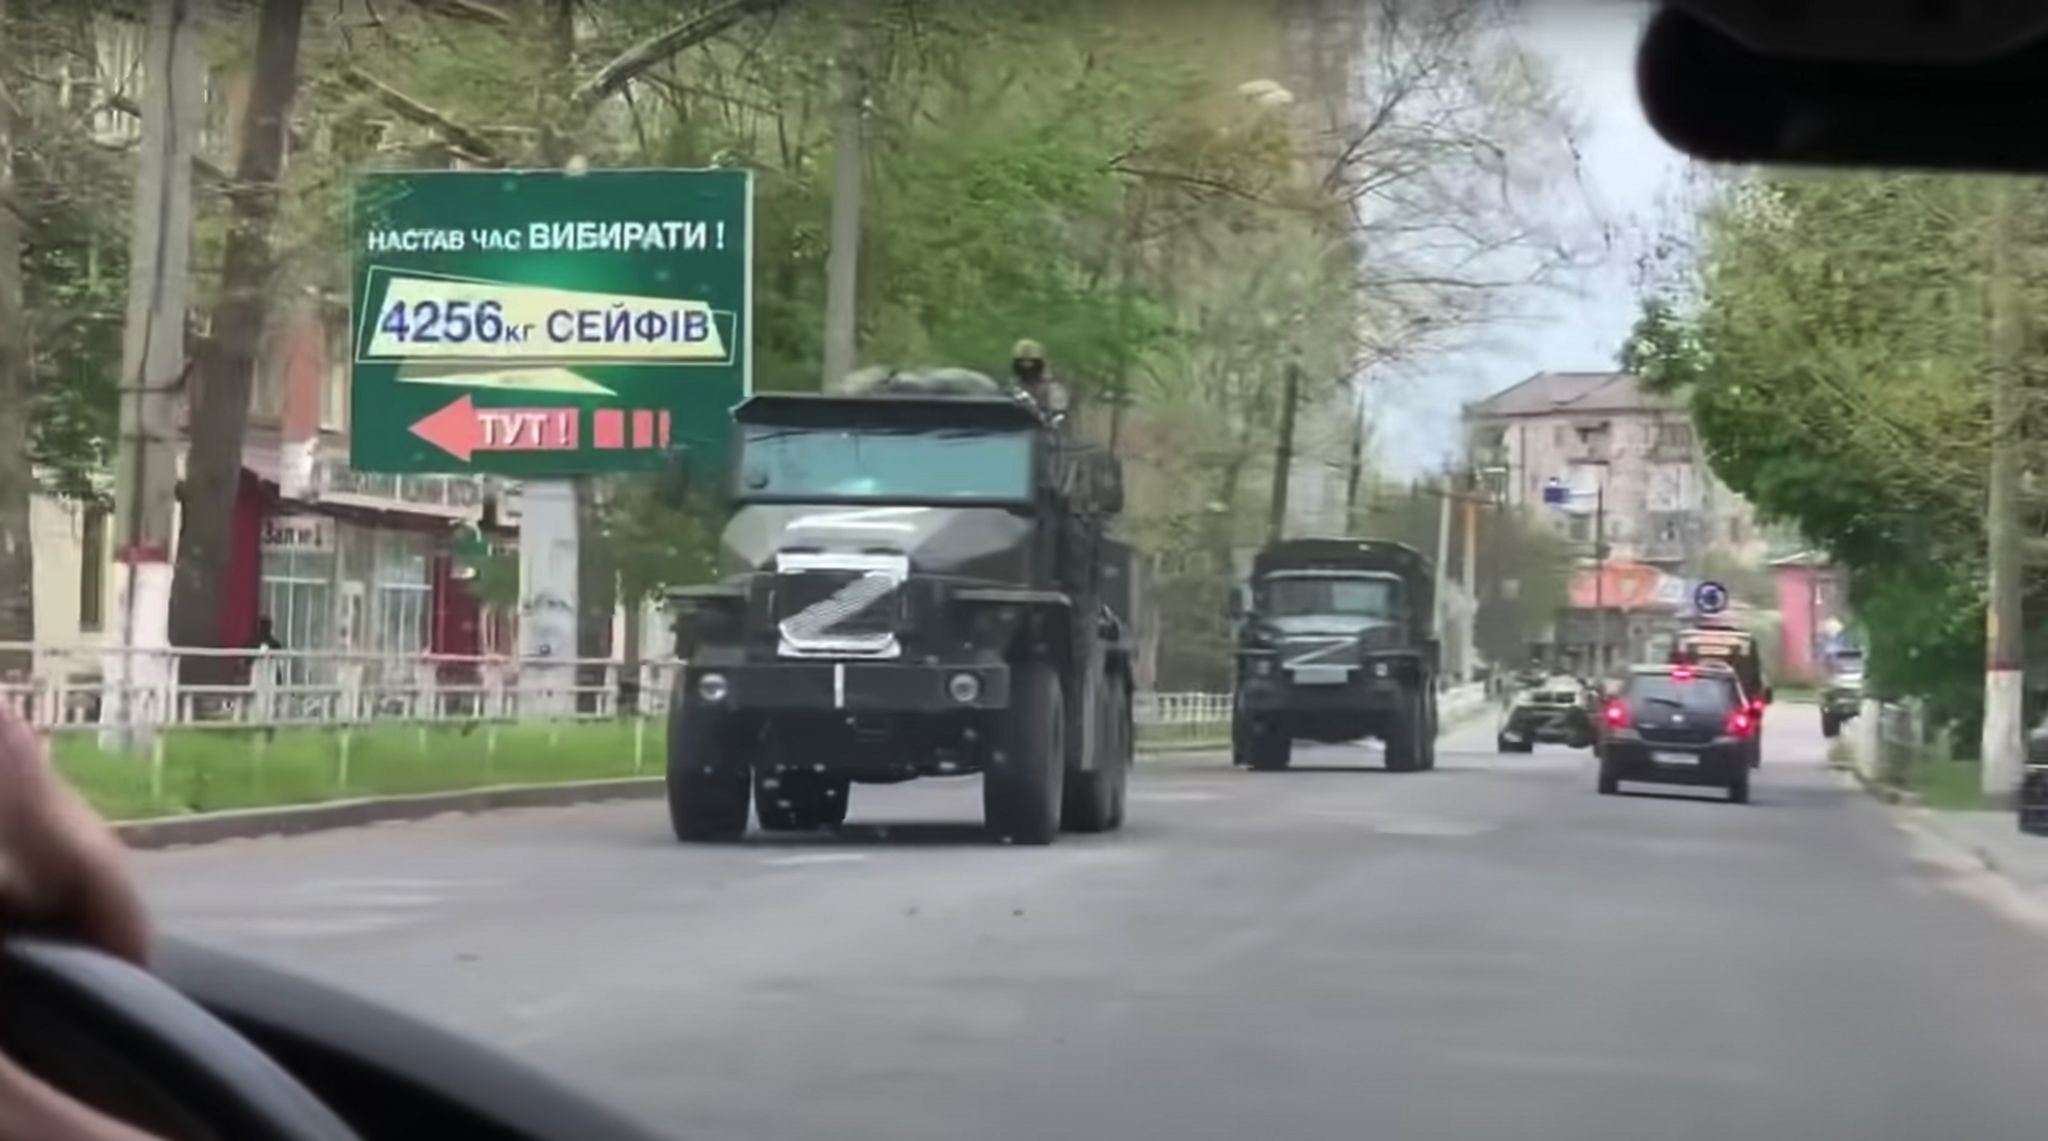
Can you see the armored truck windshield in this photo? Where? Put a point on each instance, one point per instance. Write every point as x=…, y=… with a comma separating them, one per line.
x=893, y=464
x=1296, y=594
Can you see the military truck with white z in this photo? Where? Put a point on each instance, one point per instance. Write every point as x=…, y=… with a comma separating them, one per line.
x=918, y=581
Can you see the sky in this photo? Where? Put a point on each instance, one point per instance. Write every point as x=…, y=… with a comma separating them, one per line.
x=1625, y=168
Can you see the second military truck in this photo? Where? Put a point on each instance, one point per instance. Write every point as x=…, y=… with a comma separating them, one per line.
x=1336, y=641
x=918, y=582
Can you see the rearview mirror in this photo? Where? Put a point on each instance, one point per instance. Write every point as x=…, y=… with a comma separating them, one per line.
x=1867, y=85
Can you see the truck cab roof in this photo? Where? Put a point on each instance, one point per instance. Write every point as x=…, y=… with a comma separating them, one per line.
x=909, y=409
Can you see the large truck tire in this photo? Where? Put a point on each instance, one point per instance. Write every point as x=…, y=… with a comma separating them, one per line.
x=1431, y=732
x=1094, y=798
x=708, y=782
x=1241, y=736
x=1271, y=750
x=1405, y=735
x=788, y=800
x=1022, y=789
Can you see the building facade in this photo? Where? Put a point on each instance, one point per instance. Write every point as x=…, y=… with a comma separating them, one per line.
x=1622, y=463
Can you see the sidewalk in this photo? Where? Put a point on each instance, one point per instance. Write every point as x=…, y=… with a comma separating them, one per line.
x=1996, y=839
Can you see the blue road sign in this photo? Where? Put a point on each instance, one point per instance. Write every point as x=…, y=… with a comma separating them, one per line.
x=1710, y=597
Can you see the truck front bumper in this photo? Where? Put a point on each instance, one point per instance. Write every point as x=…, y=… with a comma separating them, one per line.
x=1360, y=693
x=851, y=686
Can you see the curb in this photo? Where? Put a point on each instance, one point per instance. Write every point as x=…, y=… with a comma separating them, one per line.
x=1885, y=793
x=299, y=819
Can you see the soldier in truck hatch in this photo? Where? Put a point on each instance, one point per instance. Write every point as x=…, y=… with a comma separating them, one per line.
x=1027, y=369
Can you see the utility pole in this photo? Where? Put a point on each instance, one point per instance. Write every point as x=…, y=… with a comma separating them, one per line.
x=1468, y=668
x=153, y=358
x=17, y=471
x=1283, y=454
x=1443, y=556
x=2004, y=750
x=849, y=152
x=1600, y=580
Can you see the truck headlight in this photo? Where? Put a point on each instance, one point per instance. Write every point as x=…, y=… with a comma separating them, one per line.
x=1379, y=669
x=713, y=688
x=963, y=688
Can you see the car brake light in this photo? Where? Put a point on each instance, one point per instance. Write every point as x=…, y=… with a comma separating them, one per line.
x=1616, y=714
x=1681, y=673
x=1739, y=722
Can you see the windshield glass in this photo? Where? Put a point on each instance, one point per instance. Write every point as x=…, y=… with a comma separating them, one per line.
x=1696, y=694
x=1297, y=596
x=885, y=463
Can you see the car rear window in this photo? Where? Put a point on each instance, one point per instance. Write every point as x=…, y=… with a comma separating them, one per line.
x=1694, y=694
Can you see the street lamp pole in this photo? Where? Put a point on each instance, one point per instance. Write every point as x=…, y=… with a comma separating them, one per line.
x=1600, y=580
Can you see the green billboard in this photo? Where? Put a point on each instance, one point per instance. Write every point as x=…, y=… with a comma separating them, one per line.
x=542, y=324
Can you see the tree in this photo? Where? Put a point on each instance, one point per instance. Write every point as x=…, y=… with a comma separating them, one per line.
x=655, y=543
x=222, y=382
x=1522, y=572
x=17, y=476
x=62, y=201
x=1833, y=356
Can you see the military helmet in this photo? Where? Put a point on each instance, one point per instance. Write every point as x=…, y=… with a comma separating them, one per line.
x=1027, y=350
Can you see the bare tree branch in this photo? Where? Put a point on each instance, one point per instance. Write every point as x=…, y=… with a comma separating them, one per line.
x=691, y=30
x=474, y=11
x=473, y=145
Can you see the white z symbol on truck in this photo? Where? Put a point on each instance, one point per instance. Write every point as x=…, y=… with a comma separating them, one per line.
x=1311, y=656
x=809, y=632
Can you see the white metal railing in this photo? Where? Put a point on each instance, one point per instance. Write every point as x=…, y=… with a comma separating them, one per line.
x=1164, y=709
x=77, y=688
x=94, y=688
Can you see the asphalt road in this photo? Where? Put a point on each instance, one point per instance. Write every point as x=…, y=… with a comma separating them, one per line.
x=1486, y=951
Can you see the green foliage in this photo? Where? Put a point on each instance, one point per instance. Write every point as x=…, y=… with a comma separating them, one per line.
x=72, y=196
x=1834, y=362
x=655, y=544
x=1522, y=573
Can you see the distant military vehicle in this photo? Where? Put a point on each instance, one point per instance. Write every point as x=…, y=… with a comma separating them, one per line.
x=1842, y=697
x=1557, y=709
x=1336, y=641
x=917, y=582
x=1718, y=639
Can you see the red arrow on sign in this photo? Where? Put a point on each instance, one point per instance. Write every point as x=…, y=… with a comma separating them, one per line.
x=462, y=429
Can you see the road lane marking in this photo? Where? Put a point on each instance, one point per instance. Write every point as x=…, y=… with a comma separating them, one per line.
x=1403, y=826
x=815, y=858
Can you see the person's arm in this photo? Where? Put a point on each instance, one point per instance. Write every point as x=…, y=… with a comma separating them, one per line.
x=30, y=1108
x=64, y=870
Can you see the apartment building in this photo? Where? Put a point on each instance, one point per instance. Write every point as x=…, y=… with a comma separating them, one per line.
x=1630, y=464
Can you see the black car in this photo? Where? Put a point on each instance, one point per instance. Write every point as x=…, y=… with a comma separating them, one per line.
x=1682, y=725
